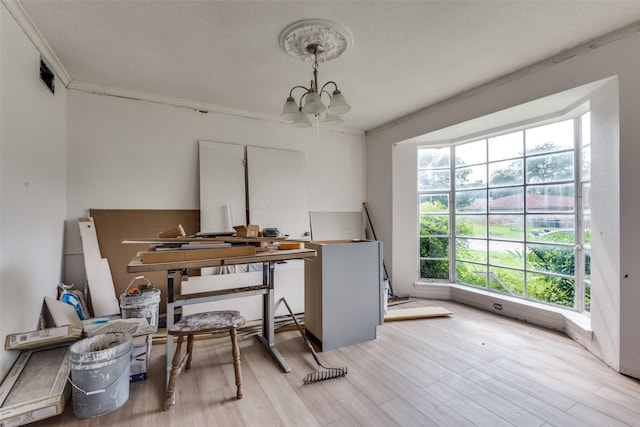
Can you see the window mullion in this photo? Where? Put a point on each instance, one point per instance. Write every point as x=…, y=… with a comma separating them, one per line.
x=579, y=235
x=452, y=216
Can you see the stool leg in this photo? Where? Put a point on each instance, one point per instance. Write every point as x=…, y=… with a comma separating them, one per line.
x=175, y=370
x=236, y=361
x=189, y=352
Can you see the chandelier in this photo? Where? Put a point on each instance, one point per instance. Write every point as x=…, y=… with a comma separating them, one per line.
x=313, y=39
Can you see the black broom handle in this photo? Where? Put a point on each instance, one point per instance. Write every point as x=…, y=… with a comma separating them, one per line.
x=386, y=275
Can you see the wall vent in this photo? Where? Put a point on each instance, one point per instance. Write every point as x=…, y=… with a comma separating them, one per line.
x=47, y=77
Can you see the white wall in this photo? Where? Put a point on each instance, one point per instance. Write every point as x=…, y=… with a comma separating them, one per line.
x=135, y=154
x=129, y=154
x=618, y=277
x=32, y=184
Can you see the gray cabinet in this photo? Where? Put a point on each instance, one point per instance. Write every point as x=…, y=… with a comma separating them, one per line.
x=343, y=293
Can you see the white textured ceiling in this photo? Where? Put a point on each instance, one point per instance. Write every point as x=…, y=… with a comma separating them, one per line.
x=406, y=55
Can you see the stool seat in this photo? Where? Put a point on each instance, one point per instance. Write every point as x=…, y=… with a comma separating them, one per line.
x=203, y=323
x=211, y=321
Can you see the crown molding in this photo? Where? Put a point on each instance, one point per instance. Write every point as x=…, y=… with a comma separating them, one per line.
x=16, y=9
x=201, y=107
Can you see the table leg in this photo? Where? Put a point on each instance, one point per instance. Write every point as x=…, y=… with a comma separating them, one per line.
x=169, y=321
x=268, y=331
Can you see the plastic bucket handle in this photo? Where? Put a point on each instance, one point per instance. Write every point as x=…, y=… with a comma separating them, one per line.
x=89, y=393
x=126, y=291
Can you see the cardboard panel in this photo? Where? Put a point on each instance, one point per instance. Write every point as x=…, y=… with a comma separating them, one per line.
x=115, y=225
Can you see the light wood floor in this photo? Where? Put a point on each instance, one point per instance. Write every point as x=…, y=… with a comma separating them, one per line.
x=473, y=368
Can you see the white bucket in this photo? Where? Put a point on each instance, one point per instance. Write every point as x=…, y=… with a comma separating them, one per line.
x=100, y=368
x=145, y=305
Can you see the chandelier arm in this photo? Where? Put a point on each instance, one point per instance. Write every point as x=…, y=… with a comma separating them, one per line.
x=302, y=97
x=327, y=92
x=297, y=87
x=327, y=83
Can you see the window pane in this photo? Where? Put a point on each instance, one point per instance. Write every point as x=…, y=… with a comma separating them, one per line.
x=506, y=254
x=430, y=269
x=471, y=153
x=585, y=163
x=471, y=250
x=549, y=138
x=556, y=290
x=586, y=198
x=434, y=180
x=507, y=146
x=433, y=158
x=509, y=172
x=471, y=274
x=434, y=225
x=587, y=295
x=550, y=227
x=587, y=280
x=550, y=198
x=471, y=177
x=434, y=203
x=506, y=227
x=585, y=125
x=506, y=281
x=434, y=247
x=551, y=259
x=471, y=201
x=471, y=225
x=586, y=224
x=587, y=265
x=550, y=167
x=506, y=200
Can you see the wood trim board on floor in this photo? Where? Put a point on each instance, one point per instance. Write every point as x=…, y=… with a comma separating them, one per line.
x=415, y=313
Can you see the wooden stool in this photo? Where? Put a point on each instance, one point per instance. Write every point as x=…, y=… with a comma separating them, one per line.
x=200, y=323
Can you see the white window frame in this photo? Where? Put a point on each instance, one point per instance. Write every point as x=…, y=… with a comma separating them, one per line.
x=578, y=277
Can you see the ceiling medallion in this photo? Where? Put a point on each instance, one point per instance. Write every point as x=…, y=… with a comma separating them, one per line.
x=334, y=38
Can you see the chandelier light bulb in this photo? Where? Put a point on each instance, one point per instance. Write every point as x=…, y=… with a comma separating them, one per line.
x=313, y=104
x=332, y=120
x=338, y=104
x=302, y=121
x=290, y=110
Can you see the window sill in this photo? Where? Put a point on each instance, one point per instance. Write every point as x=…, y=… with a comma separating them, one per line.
x=575, y=325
